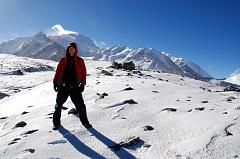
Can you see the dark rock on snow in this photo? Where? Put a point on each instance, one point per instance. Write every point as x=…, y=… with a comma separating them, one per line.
x=102, y=95
x=20, y=124
x=129, y=101
x=170, y=109
x=30, y=132
x=106, y=73
x=128, y=89
x=24, y=112
x=5, y=117
x=148, y=128
x=204, y=101
x=229, y=99
x=200, y=108
x=129, y=142
x=30, y=150
x=232, y=88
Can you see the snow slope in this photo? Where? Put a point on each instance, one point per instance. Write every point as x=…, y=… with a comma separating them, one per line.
x=17, y=73
x=235, y=77
x=204, y=125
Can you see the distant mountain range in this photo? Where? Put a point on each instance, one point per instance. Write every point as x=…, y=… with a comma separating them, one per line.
x=53, y=48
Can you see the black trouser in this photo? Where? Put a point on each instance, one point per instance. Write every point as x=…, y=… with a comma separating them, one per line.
x=76, y=97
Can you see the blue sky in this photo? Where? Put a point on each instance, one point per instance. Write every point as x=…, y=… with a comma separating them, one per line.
x=206, y=32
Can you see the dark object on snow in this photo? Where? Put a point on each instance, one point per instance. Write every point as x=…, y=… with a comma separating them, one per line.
x=204, y=101
x=14, y=141
x=190, y=110
x=2, y=95
x=129, y=101
x=148, y=128
x=128, y=89
x=137, y=72
x=20, y=124
x=155, y=91
x=238, y=108
x=106, y=73
x=200, y=108
x=117, y=65
x=5, y=117
x=24, y=112
x=102, y=95
x=146, y=145
x=170, y=109
x=129, y=142
x=17, y=72
x=55, y=127
x=30, y=132
x=73, y=111
x=231, y=88
x=30, y=150
x=129, y=65
x=229, y=99
x=227, y=131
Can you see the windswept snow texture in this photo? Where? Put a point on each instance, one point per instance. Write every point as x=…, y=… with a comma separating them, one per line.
x=191, y=118
x=235, y=77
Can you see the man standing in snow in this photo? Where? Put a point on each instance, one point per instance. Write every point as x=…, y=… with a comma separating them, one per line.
x=70, y=79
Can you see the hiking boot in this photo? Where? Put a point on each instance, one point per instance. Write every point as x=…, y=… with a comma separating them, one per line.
x=55, y=127
x=87, y=126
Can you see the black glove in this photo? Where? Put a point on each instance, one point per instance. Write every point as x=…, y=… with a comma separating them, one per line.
x=82, y=87
x=55, y=86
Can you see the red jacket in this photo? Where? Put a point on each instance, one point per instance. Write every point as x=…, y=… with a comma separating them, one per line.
x=79, y=67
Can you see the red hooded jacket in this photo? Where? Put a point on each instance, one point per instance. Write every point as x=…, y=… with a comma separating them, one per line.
x=79, y=67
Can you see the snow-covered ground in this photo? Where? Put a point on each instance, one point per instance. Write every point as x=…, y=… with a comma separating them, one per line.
x=17, y=73
x=203, y=123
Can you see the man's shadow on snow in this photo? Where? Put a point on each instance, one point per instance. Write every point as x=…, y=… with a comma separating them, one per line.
x=84, y=149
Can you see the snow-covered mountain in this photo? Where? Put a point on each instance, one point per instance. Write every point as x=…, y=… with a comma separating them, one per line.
x=144, y=58
x=189, y=68
x=12, y=45
x=235, y=77
x=53, y=47
x=37, y=46
x=148, y=58
x=172, y=118
x=86, y=46
x=40, y=46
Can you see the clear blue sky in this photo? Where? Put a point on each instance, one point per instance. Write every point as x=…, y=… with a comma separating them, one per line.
x=204, y=31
